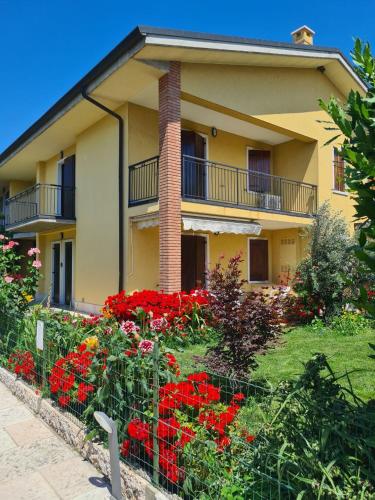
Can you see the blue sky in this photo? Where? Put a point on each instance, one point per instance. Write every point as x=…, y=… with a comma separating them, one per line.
x=47, y=45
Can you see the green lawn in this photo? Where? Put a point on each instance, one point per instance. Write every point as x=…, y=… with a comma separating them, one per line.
x=345, y=354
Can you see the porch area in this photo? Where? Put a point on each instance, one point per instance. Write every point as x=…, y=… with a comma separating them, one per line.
x=270, y=251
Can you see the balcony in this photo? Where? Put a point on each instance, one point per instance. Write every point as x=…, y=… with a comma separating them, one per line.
x=39, y=208
x=210, y=182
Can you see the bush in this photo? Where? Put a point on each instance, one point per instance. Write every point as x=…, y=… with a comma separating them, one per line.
x=16, y=290
x=330, y=275
x=347, y=324
x=246, y=322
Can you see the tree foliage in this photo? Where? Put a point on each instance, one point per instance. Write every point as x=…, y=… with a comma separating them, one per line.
x=355, y=120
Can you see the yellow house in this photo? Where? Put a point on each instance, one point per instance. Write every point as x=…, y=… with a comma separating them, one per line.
x=175, y=149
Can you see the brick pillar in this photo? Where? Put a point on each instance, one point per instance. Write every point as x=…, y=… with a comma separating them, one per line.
x=170, y=180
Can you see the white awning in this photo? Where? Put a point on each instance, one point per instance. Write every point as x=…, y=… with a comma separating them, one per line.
x=220, y=226
x=208, y=225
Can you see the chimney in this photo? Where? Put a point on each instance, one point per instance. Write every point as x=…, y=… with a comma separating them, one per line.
x=303, y=35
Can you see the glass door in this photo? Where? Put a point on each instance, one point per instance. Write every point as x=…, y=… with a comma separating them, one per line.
x=62, y=273
x=56, y=263
x=194, y=169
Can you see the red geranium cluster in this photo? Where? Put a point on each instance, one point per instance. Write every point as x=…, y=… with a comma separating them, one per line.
x=162, y=305
x=195, y=398
x=65, y=372
x=22, y=364
x=297, y=311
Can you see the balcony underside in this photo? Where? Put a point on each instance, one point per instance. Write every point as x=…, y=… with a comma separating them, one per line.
x=39, y=224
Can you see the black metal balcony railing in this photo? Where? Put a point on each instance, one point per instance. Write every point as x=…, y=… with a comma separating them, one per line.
x=144, y=181
x=221, y=184
x=47, y=201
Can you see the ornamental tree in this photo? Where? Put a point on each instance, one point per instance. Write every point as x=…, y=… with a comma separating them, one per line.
x=355, y=121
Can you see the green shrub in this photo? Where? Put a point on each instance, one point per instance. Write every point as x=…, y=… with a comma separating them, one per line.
x=330, y=275
x=347, y=324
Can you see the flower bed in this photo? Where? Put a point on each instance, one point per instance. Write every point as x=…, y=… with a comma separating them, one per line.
x=178, y=317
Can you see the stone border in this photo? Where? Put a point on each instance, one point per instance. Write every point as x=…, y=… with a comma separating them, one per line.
x=134, y=485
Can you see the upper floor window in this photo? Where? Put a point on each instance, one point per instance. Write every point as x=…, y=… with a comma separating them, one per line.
x=338, y=171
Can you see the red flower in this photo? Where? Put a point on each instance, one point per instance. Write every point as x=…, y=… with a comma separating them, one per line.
x=187, y=435
x=64, y=400
x=131, y=352
x=138, y=429
x=198, y=377
x=125, y=447
x=83, y=391
x=166, y=405
x=222, y=443
x=68, y=382
x=250, y=438
x=239, y=396
x=22, y=363
x=210, y=391
x=167, y=428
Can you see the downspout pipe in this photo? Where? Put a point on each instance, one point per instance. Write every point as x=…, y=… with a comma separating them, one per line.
x=120, y=184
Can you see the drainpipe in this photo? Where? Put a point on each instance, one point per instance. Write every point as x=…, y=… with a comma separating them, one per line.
x=120, y=185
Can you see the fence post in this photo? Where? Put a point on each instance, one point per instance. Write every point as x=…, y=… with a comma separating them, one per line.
x=155, y=408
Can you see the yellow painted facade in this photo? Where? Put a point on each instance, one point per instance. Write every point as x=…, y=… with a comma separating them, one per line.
x=271, y=108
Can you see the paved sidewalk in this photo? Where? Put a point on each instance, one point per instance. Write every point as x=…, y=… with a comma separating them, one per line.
x=36, y=464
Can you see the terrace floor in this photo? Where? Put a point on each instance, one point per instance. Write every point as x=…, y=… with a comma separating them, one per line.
x=36, y=464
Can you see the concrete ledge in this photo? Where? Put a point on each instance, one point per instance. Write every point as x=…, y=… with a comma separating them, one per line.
x=134, y=483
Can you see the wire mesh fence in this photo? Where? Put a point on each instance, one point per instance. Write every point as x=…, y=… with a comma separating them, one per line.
x=190, y=436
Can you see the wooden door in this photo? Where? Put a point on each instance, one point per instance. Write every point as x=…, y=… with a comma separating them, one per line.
x=258, y=260
x=259, y=166
x=193, y=262
x=194, y=169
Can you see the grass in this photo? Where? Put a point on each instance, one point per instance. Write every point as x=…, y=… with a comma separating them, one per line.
x=186, y=361
x=284, y=362
x=345, y=355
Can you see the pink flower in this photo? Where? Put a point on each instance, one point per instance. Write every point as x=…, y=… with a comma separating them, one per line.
x=157, y=325
x=3, y=237
x=146, y=346
x=33, y=251
x=37, y=264
x=129, y=327
x=12, y=244
x=8, y=279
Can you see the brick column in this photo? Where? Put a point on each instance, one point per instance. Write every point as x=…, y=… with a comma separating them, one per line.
x=170, y=180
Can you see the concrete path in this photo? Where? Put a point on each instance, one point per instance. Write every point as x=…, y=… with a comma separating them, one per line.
x=36, y=464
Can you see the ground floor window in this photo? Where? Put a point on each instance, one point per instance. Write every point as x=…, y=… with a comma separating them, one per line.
x=258, y=260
